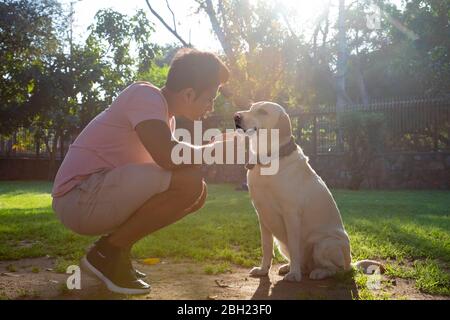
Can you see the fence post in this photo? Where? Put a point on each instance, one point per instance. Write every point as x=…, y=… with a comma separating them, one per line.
x=61, y=146
x=37, y=147
x=435, y=128
x=14, y=142
x=314, y=139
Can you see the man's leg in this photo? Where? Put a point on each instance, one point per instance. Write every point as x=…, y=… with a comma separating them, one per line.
x=200, y=202
x=109, y=258
x=186, y=194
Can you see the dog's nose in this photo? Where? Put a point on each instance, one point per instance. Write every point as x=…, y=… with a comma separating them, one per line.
x=237, y=117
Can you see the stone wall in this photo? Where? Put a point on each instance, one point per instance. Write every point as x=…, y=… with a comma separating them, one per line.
x=390, y=171
x=25, y=168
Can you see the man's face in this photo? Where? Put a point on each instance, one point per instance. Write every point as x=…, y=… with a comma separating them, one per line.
x=201, y=104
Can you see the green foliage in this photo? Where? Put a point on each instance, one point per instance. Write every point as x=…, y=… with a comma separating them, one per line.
x=59, y=92
x=56, y=93
x=258, y=43
x=114, y=34
x=27, y=35
x=155, y=74
x=268, y=60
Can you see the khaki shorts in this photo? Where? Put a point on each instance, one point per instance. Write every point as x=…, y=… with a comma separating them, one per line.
x=108, y=198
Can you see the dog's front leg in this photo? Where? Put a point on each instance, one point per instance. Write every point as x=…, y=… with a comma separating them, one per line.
x=267, y=246
x=292, y=224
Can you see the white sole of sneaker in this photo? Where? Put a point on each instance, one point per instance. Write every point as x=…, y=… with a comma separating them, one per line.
x=109, y=284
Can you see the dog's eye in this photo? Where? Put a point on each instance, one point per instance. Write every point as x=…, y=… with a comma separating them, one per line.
x=262, y=112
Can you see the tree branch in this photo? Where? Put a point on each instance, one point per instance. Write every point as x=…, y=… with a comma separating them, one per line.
x=174, y=32
x=288, y=24
x=173, y=16
x=226, y=46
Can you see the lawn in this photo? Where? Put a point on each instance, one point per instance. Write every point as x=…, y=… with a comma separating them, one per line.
x=409, y=230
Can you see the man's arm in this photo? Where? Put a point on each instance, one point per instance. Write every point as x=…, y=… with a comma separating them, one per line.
x=156, y=137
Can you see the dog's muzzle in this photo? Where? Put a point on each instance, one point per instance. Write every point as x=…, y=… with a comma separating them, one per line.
x=238, y=124
x=237, y=121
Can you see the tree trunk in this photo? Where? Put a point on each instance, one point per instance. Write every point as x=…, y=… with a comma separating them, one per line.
x=37, y=149
x=226, y=46
x=223, y=37
x=341, y=70
x=14, y=141
x=361, y=83
x=61, y=145
x=341, y=66
x=360, y=77
x=52, y=157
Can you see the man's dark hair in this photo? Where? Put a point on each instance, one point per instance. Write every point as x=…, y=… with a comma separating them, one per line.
x=196, y=69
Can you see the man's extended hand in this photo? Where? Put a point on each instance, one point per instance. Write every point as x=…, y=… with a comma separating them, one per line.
x=229, y=136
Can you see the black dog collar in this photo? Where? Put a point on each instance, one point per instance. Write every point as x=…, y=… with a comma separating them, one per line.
x=285, y=151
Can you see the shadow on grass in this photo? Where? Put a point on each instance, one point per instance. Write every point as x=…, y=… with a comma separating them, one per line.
x=307, y=289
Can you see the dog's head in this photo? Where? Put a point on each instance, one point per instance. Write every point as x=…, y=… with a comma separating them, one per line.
x=264, y=115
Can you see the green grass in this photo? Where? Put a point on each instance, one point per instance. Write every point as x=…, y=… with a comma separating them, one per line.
x=217, y=268
x=410, y=229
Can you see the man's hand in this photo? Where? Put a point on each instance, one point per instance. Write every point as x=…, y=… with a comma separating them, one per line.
x=229, y=141
x=229, y=136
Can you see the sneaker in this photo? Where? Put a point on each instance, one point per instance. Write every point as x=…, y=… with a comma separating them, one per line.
x=113, y=267
x=139, y=274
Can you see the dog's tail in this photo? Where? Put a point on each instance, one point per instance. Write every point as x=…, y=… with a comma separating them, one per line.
x=369, y=266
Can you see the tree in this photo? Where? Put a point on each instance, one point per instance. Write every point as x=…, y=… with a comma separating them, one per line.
x=253, y=40
x=341, y=64
x=114, y=33
x=28, y=33
x=55, y=93
x=54, y=107
x=426, y=45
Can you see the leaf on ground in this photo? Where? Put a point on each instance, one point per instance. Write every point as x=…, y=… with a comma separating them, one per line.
x=151, y=261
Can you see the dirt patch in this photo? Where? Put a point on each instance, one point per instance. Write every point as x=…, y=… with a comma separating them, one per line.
x=36, y=279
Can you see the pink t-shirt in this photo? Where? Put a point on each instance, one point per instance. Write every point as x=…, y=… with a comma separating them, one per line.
x=109, y=140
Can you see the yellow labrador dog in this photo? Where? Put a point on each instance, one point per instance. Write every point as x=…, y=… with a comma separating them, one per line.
x=294, y=206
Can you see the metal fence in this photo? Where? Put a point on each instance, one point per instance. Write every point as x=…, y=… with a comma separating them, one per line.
x=24, y=143
x=411, y=125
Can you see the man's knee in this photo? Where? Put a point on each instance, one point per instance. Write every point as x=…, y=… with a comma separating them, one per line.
x=189, y=186
x=200, y=201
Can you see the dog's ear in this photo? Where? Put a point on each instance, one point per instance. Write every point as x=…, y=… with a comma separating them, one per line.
x=284, y=125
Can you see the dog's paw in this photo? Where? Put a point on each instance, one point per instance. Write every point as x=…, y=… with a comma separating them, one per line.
x=319, y=274
x=284, y=269
x=259, y=272
x=293, y=277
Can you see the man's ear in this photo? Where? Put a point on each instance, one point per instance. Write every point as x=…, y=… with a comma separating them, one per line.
x=284, y=125
x=188, y=95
